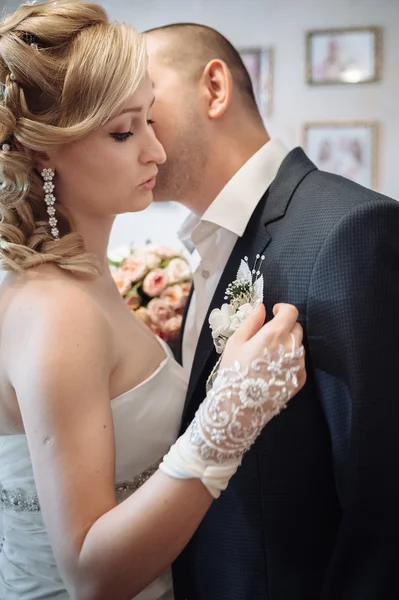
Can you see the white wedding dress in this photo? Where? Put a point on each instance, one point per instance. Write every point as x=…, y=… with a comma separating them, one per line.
x=146, y=422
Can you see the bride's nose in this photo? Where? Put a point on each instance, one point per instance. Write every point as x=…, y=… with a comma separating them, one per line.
x=152, y=150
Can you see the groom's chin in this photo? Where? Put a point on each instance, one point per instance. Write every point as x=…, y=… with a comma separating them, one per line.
x=159, y=194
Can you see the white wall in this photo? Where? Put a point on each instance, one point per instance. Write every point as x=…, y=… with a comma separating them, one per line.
x=283, y=24
x=159, y=223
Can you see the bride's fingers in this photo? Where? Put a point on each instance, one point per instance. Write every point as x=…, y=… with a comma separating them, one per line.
x=276, y=331
x=249, y=327
x=285, y=315
x=297, y=333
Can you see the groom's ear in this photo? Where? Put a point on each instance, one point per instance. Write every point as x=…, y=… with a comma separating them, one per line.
x=217, y=81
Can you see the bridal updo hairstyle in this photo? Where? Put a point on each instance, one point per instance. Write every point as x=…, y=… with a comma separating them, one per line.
x=64, y=70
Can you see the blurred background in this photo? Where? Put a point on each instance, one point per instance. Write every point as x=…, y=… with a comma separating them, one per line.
x=326, y=73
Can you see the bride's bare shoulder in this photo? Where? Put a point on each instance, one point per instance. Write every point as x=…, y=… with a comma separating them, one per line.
x=48, y=299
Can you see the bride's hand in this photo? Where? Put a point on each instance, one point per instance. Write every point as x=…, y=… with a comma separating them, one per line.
x=251, y=339
x=262, y=368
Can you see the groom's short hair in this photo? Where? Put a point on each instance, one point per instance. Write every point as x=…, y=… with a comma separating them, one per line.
x=195, y=45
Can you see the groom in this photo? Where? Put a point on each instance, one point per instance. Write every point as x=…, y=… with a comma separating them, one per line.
x=313, y=513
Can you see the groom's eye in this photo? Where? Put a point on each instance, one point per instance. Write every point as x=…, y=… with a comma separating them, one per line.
x=121, y=137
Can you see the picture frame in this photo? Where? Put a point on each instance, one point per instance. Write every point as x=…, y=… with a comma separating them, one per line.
x=343, y=56
x=259, y=63
x=347, y=148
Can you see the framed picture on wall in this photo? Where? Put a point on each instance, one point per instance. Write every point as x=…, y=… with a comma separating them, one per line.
x=344, y=148
x=259, y=63
x=343, y=56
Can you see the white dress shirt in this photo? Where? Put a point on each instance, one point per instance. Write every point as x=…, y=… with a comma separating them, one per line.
x=212, y=237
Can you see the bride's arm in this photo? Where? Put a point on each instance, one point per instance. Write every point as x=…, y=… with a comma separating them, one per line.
x=61, y=380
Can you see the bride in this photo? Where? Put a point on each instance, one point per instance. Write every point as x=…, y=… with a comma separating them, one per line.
x=90, y=400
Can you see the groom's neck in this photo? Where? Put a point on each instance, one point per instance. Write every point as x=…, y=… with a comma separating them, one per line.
x=226, y=159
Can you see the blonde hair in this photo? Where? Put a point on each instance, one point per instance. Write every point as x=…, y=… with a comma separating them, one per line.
x=64, y=70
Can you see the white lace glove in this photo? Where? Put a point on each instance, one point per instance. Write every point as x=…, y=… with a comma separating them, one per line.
x=232, y=416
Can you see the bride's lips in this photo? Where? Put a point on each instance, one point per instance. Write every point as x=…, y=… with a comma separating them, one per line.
x=149, y=184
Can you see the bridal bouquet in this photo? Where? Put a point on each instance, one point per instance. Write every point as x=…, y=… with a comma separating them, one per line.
x=155, y=282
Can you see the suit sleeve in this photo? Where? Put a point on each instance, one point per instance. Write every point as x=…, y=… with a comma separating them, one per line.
x=353, y=334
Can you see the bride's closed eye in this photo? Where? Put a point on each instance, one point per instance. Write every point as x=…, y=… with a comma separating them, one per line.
x=121, y=137
x=124, y=136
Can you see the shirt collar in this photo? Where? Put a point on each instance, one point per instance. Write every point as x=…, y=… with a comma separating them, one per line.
x=186, y=231
x=233, y=207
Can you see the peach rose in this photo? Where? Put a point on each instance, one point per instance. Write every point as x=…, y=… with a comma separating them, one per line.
x=175, y=296
x=135, y=269
x=143, y=314
x=166, y=252
x=186, y=287
x=155, y=282
x=171, y=328
x=133, y=300
x=143, y=249
x=123, y=281
x=178, y=270
x=159, y=311
x=152, y=260
x=147, y=253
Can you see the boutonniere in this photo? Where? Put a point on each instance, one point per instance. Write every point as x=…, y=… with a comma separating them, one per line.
x=242, y=295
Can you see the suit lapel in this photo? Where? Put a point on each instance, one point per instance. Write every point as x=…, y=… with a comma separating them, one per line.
x=251, y=244
x=179, y=353
x=255, y=240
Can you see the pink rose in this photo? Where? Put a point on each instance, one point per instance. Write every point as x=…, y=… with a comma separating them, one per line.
x=159, y=311
x=178, y=270
x=135, y=269
x=171, y=328
x=123, y=281
x=156, y=330
x=155, y=282
x=143, y=314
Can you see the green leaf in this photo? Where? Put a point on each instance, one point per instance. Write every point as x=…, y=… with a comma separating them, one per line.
x=115, y=264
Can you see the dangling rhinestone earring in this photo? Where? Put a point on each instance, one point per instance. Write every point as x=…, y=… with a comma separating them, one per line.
x=49, y=198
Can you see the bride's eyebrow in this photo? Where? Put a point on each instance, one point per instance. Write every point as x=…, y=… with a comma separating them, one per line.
x=134, y=109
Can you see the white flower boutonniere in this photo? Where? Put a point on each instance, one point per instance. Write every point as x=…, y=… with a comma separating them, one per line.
x=243, y=294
